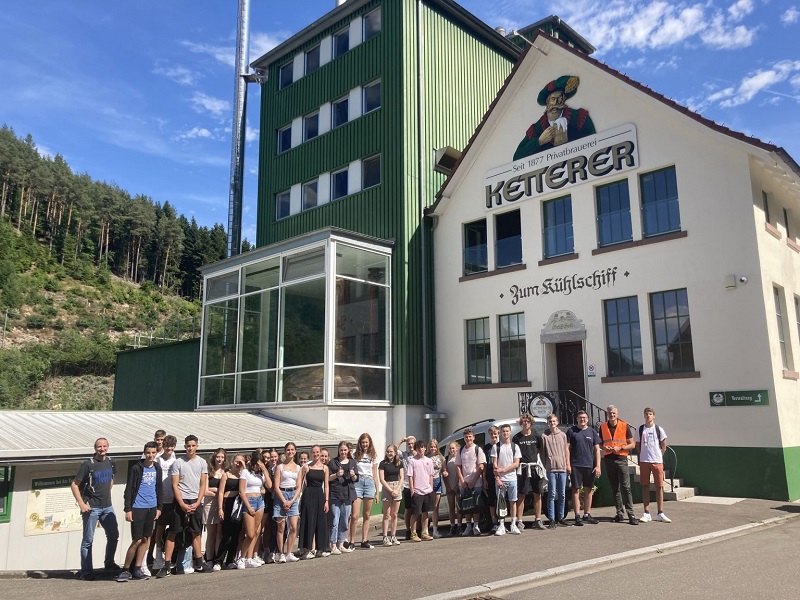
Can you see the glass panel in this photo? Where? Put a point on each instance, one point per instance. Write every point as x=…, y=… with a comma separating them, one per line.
x=660, y=212
x=557, y=227
x=286, y=75
x=262, y=275
x=217, y=390
x=307, y=383
x=341, y=112
x=623, y=337
x=222, y=285
x=304, y=264
x=361, y=323
x=341, y=43
x=360, y=383
x=372, y=24
x=475, y=247
x=371, y=172
x=672, y=334
x=312, y=60
x=339, y=185
x=220, y=327
x=372, y=97
x=257, y=387
x=284, y=139
x=478, y=352
x=310, y=127
x=613, y=214
x=509, y=239
x=309, y=195
x=304, y=323
x=260, y=331
x=361, y=264
x=282, y=205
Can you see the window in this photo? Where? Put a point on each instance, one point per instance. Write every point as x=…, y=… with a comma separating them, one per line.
x=341, y=42
x=372, y=24
x=6, y=492
x=508, y=235
x=558, y=238
x=282, y=205
x=312, y=60
x=613, y=214
x=660, y=212
x=339, y=184
x=786, y=223
x=781, y=331
x=765, y=205
x=797, y=313
x=286, y=75
x=340, y=112
x=623, y=336
x=370, y=172
x=309, y=195
x=372, y=97
x=479, y=353
x=475, y=256
x=310, y=126
x=284, y=139
x=513, y=361
x=672, y=334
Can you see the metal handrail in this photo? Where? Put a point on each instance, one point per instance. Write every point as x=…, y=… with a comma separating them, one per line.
x=569, y=403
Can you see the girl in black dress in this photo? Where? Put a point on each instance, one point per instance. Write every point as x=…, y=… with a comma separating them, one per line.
x=314, y=507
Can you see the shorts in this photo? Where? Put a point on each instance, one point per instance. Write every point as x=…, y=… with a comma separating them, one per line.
x=422, y=503
x=437, y=485
x=407, y=498
x=142, y=524
x=278, y=512
x=509, y=489
x=256, y=502
x=386, y=492
x=582, y=477
x=165, y=520
x=365, y=487
x=210, y=511
x=527, y=482
x=657, y=469
x=181, y=521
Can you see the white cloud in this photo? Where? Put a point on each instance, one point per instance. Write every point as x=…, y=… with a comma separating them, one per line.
x=671, y=63
x=223, y=54
x=193, y=133
x=203, y=103
x=758, y=81
x=260, y=44
x=791, y=16
x=178, y=74
x=795, y=82
x=721, y=36
x=250, y=134
x=740, y=9
x=44, y=151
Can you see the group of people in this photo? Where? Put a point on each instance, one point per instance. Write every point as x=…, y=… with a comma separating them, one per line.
x=255, y=508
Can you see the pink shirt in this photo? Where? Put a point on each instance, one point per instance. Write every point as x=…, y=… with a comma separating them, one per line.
x=421, y=470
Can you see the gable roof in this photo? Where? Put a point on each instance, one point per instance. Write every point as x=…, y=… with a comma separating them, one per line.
x=778, y=151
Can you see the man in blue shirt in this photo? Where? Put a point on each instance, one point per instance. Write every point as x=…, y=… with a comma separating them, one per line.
x=584, y=452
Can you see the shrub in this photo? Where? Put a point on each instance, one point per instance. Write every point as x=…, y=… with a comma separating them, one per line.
x=35, y=322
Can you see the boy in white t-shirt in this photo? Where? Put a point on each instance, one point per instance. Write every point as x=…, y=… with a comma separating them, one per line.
x=505, y=458
x=651, y=443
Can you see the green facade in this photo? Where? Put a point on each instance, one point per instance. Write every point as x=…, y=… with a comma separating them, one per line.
x=158, y=378
x=460, y=70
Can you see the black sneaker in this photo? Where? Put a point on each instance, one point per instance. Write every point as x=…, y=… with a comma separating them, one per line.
x=537, y=524
x=139, y=575
x=578, y=522
x=590, y=519
x=113, y=568
x=633, y=520
x=408, y=534
x=164, y=571
x=366, y=546
x=564, y=523
x=87, y=577
x=619, y=518
x=551, y=525
x=123, y=576
x=199, y=565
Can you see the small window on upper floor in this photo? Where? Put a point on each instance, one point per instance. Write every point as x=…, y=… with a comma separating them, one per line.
x=340, y=112
x=286, y=75
x=765, y=205
x=282, y=205
x=341, y=42
x=310, y=126
x=508, y=239
x=284, y=139
x=370, y=172
x=339, y=181
x=557, y=227
x=312, y=60
x=372, y=24
x=660, y=212
x=309, y=195
x=372, y=97
x=613, y=214
x=475, y=247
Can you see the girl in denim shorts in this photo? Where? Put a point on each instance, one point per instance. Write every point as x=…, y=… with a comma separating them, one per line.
x=288, y=484
x=366, y=488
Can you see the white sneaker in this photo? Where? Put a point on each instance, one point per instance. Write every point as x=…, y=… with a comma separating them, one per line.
x=335, y=550
x=281, y=559
x=467, y=530
x=387, y=541
x=241, y=564
x=514, y=529
x=257, y=560
x=395, y=541
x=271, y=558
x=476, y=530
x=291, y=557
x=188, y=571
x=520, y=525
x=325, y=554
x=664, y=518
x=249, y=563
x=501, y=530
x=436, y=534
x=216, y=567
x=310, y=555
x=346, y=549
x=145, y=570
x=646, y=518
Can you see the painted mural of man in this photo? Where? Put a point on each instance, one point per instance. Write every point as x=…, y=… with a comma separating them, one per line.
x=559, y=124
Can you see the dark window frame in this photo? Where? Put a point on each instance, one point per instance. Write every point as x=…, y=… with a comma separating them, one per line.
x=482, y=253
x=622, y=322
x=664, y=206
x=682, y=334
x=472, y=342
x=618, y=207
x=562, y=229
x=512, y=348
x=507, y=248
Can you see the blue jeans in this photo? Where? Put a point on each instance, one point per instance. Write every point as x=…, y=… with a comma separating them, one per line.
x=108, y=521
x=556, y=487
x=341, y=517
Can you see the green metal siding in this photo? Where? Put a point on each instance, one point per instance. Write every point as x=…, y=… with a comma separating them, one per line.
x=158, y=378
x=461, y=75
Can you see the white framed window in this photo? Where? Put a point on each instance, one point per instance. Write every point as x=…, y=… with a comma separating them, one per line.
x=340, y=112
x=286, y=75
x=309, y=195
x=341, y=42
x=312, y=59
x=285, y=139
x=372, y=24
x=339, y=182
x=370, y=172
x=372, y=97
x=310, y=126
x=282, y=204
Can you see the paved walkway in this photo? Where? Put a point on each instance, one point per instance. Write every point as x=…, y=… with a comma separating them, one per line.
x=452, y=567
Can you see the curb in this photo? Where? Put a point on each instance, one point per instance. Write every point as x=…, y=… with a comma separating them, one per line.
x=574, y=569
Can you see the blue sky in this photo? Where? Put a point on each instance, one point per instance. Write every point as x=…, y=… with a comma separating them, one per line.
x=140, y=92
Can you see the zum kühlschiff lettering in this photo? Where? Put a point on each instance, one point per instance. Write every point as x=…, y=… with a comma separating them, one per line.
x=565, y=285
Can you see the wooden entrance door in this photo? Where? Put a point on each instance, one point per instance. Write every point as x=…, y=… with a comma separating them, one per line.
x=569, y=361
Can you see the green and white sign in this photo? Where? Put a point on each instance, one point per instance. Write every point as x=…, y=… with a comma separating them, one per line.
x=739, y=398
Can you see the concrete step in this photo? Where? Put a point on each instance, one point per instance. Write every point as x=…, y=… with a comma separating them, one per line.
x=680, y=493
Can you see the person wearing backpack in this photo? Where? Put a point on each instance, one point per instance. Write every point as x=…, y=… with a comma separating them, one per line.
x=92, y=491
x=651, y=443
x=506, y=458
x=470, y=463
